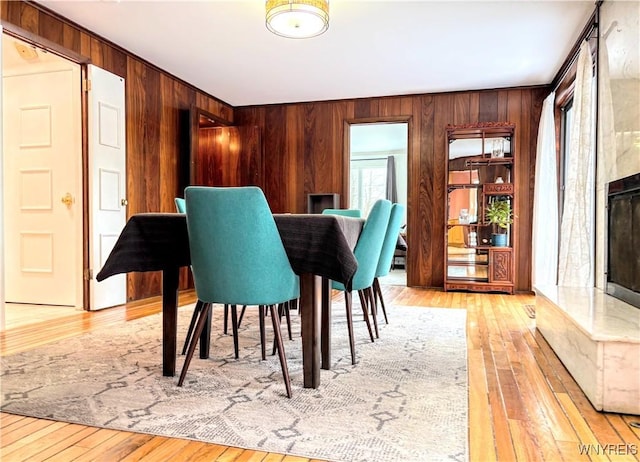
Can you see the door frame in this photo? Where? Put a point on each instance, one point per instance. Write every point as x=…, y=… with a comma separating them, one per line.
x=82, y=61
x=346, y=163
x=196, y=119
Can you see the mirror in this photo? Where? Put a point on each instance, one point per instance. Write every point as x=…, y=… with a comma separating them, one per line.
x=480, y=147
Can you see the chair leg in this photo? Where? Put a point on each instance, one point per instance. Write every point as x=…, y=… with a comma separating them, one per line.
x=244, y=308
x=281, y=309
x=287, y=313
x=192, y=324
x=365, y=312
x=202, y=319
x=261, y=310
x=283, y=358
x=371, y=296
x=352, y=344
x=234, y=326
x=226, y=318
x=378, y=291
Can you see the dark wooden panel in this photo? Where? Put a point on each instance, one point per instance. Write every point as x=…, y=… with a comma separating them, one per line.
x=297, y=202
x=444, y=111
x=24, y=15
x=364, y=109
x=142, y=86
x=71, y=38
x=488, y=106
x=251, y=171
x=318, y=133
x=277, y=165
x=51, y=29
x=461, y=108
x=174, y=140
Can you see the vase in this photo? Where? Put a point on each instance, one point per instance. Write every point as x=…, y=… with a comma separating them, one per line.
x=499, y=240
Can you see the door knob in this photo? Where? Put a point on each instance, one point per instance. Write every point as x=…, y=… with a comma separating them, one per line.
x=124, y=202
x=67, y=199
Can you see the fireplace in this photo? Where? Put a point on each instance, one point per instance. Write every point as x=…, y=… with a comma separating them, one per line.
x=623, y=231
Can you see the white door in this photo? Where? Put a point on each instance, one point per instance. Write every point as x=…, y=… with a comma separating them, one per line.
x=107, y=181
x=42, y=154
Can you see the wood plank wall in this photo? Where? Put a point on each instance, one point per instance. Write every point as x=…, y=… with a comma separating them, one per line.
x=154, y=100
x=303, y=152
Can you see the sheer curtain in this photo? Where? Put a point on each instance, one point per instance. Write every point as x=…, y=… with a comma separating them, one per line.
x=576, y=260
x=544, y=269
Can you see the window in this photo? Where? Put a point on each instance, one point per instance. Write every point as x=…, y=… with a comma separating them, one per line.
x=368, y=182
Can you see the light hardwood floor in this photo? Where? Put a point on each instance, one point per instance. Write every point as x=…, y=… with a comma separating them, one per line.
x=523, y=404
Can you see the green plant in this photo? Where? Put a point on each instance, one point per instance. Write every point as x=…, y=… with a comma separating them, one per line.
x=499, y=214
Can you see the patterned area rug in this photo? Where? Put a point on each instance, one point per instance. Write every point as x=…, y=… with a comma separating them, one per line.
x=406, y=399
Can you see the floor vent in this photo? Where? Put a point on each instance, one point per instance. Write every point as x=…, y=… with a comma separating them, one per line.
x=530, y=310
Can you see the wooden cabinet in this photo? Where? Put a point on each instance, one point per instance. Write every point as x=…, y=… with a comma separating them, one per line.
x=480, y=171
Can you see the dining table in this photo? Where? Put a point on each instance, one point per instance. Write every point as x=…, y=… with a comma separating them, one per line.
x=319, y=247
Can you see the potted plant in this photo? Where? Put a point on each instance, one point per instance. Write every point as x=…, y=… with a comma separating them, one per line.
x=500, y=215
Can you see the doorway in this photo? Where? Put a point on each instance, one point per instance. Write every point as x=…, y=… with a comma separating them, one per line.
x=44, y=191
x=378, y=164
x=42, y=176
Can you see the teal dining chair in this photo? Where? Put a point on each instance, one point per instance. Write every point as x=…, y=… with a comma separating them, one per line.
x=344, y=212
x=386, y=255
x=237, y=258
x=367, y=253
x=180, y=205
x=181, y=208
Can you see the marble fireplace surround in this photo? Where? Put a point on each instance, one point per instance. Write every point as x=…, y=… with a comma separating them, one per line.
x=597, y=338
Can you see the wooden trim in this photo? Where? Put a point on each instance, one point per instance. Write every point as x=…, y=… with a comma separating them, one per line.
x=41, y=42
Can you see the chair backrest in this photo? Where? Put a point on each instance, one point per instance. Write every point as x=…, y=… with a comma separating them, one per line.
x=180, y=205
x=345, y=212
x=367, y=251
x=390, y=240
x=237, y=255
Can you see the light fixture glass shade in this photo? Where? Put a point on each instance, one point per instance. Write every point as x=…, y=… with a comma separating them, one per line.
x=298, y=18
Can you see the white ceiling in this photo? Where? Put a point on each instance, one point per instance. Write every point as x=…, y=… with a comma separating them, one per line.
x=372, y=48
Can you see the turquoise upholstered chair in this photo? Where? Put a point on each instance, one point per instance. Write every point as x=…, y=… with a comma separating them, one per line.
x=367, y=253
x=181, y=208
x=237, y=258
x=386, y=255
x=345, y=212
x=180, y=205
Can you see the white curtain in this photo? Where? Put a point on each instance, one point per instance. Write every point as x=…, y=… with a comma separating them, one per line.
x=544, y=267
x=606, y=129
x=576, y=260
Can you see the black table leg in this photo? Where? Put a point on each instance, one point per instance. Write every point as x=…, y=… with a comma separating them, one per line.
x=326, y=324
x=311, y=301
x=170, y=278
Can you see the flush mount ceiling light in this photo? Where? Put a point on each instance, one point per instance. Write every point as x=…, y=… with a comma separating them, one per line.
x=297, y=18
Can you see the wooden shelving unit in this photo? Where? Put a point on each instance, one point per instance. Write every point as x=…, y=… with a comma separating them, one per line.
x=480, y=169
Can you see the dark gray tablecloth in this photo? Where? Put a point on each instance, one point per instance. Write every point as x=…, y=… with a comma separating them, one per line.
x=316, y=244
